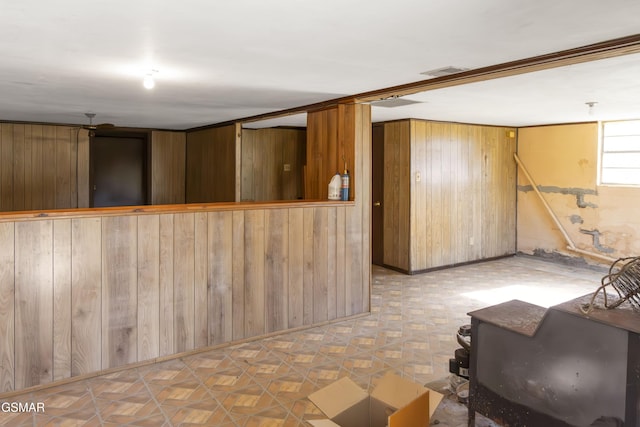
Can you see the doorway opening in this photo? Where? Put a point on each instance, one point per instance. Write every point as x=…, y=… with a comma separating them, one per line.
x=118, y=168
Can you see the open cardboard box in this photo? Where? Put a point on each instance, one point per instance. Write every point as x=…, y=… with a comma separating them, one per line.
x=395, y=402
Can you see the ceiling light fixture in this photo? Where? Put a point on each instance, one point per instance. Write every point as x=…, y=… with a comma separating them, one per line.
x=149, y=82
x=591, y=104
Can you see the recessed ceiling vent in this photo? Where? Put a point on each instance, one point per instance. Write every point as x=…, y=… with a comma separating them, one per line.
x=394, y=101
x=445, y=71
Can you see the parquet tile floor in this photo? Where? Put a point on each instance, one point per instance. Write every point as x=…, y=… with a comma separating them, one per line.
x=410, y=331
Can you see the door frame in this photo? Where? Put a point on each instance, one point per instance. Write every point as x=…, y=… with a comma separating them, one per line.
x=144, y=135
x=377, y=194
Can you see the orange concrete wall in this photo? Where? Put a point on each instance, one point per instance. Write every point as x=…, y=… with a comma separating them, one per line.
x=563, y=161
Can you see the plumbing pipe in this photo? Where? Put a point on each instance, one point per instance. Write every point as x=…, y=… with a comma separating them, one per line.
x=571, y=246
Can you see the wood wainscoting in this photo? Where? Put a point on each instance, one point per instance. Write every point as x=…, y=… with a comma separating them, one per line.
x=87, y=290
x=84, y=294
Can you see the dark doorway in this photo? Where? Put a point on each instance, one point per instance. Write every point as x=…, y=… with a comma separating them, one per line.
x=377, y=195
x=118, y=169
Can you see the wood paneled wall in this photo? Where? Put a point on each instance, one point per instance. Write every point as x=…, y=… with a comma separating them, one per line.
x=213, y=165
x=43, y=167
x=449, y=193
x=168, y=163
x=330, y=141
x=121, y=289
x=47, y=167
x=82, y=294
x=463, y=208
x=397, y=194
x=265, y=152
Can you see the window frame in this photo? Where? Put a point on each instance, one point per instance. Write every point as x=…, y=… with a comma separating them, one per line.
x=602, y=152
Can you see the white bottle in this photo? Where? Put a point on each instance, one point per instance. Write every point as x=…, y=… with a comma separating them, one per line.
x=334, y=187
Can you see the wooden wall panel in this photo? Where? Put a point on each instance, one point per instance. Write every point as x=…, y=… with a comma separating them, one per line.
x=62, y=171
x=61, y=299
x=308, y=263
x=397, y=195
x=341, y=240
x=254, y=260
x=320, y=265
x=460, y=218
x=268, y=151
x=116, y=290
x=448, y=178
x=119, y=291
x=168, y=162
x=166, y=297
x=499, y=201
x=436, y=145
x=348, y=131
x=466, y=174
x=6, y=166
x=265, y=152
x=83, y=168
x=463, y=207
x=211, y=165
x=238, y=274
x=148, y=304
x=183, y=282
x=200, y=281
x=28, y=167
x=475, y=172
x=19, y=167
x=322, y=152
x=276, y=272
x=7, y=306
x=296, y=268
x=249, y=165
x=33, y=303
x=331, y=135
x=47, y=167
x=220, y=297
x=331, y=238
x=294, y=154
x=122, y=288
x=86, y=295
x=419, y=207
x=36, y=168
x=362, y=189
x=353, y=262
x=43, y=167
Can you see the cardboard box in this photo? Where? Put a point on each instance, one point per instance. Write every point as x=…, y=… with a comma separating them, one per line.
x=395, y=402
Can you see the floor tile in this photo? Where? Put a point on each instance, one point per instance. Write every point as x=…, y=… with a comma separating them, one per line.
x=410, y=331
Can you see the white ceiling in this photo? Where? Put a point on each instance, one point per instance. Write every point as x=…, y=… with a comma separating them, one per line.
x=228, y=59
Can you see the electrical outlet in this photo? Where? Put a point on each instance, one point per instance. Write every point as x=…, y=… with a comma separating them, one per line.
x=418, y=177
x=287, y=167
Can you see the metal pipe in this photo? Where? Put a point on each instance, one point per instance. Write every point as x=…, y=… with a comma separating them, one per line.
x=571, y=246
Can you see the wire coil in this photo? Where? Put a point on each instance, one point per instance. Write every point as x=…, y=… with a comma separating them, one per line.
x=624, y=277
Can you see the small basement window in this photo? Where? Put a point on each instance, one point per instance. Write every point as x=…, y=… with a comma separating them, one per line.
x=620, y=153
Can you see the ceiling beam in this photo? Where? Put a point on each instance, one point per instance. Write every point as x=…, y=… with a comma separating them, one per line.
x=607, y=49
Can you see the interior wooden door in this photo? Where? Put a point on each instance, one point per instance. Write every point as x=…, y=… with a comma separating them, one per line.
x=118, y=171
x=377, y=194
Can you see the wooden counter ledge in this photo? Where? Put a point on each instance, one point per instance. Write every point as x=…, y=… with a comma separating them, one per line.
x=157, y=209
